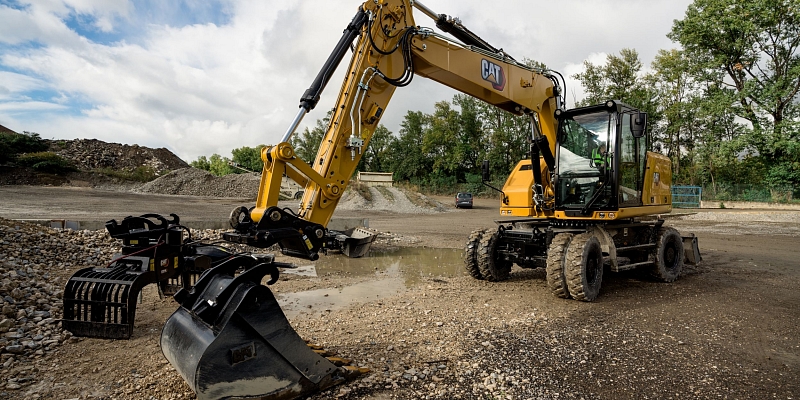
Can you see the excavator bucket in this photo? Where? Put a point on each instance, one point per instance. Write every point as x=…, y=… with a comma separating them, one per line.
x=353, y=243
x=230, y=339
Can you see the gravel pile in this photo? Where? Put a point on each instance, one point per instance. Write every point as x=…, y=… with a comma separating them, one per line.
x=34, y=264
x=196, y=182
x=88, y=154
x=785, y=223
x=391, y=199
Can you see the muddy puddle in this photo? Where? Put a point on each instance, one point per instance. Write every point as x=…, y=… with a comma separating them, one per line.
x=393, y=272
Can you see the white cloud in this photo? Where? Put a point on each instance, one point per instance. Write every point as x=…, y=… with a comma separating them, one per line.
x=200, y=89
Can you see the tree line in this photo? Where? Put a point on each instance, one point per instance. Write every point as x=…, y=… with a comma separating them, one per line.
x=723, y=107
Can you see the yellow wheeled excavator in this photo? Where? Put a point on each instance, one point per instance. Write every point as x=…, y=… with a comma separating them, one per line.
x=588, y=196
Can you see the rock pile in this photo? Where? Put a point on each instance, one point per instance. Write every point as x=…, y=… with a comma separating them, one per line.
x=89, y=154
x=196, y=182
x=35, y=263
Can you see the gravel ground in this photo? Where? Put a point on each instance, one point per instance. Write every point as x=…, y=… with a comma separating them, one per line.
x=726, y=329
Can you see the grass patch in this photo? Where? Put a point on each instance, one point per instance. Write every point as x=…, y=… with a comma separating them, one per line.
x=420, y=200
x=361, y=189
x=385, y=192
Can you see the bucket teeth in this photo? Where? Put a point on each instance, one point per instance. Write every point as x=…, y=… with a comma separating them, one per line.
x=339, y=362
x=352, y=372
x=324, y=353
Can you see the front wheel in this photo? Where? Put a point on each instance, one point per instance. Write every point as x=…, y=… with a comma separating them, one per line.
x=491, y=266
x=471, y=254
x=556, y=256
x=668, y=256
x=584, y=267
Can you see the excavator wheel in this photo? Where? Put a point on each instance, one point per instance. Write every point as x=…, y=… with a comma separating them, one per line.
x=491, y=267
x=471, y=254
x=556, y=256
x=668, y=255
x=584, y=267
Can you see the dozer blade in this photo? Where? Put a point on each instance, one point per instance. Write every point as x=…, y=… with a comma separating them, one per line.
x=230, y=339
x=691, y=250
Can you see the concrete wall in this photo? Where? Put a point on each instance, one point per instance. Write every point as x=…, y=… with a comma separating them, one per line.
x=748, y=205
x=376, y=178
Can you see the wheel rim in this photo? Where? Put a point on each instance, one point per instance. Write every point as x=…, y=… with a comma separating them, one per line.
x=591, y=271
x=670, y=256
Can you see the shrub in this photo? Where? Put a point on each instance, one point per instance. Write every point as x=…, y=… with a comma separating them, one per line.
x=361, y=189
x=46, y=162
x=17, y=143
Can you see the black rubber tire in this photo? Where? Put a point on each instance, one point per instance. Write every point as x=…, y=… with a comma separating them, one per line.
x=471, y=254
x=556, y=277
x=668, y=256
x=492, y=268
x=298, y=195
x=584, y=267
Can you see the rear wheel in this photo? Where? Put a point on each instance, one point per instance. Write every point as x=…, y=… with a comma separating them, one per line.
x=556, y=278
x=668, y=257
x=471, y=254
x=492, y=268
x=584, y=267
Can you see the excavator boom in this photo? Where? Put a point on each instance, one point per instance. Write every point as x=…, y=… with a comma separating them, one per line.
x=391, y=49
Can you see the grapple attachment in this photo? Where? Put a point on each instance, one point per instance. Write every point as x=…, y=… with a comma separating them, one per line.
x=101, y=302
x=230, y=339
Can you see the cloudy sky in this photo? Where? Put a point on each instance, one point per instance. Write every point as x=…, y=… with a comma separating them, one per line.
x=205, y=76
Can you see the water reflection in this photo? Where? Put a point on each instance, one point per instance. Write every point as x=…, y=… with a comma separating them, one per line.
x=394, y=272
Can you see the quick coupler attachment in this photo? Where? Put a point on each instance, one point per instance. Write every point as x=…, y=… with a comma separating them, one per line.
x=230, y=339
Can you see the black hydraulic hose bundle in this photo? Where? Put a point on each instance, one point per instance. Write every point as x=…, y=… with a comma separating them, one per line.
x=408, y=61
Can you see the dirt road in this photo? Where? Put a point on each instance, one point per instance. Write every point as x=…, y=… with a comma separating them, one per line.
x=726, y=329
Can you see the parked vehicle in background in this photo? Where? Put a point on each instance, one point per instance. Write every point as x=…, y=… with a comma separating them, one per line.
x=464, y=200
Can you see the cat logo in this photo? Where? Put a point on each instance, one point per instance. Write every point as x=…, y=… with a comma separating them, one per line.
x=493, y=73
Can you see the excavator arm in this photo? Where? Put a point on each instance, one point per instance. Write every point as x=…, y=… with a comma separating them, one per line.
x=389, y=51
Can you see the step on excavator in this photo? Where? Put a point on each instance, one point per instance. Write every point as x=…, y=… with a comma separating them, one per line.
x=589, y=195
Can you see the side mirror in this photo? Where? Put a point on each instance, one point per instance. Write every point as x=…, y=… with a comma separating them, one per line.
x=485, y=175
x=638, y=124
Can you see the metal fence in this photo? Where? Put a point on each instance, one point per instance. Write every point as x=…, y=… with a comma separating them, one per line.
x=686, y=196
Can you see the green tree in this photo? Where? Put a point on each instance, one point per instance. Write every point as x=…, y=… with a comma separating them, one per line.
x=376, y=153
x=201, y=163
x=249, y=158
x=219, y=165
x=471, y=145
x=617, y=79
x=407, y=160
x=440, y=141
x=751, y=49
x=307, y=145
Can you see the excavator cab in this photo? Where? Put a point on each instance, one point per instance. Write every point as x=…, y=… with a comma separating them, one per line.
x=600, y=158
